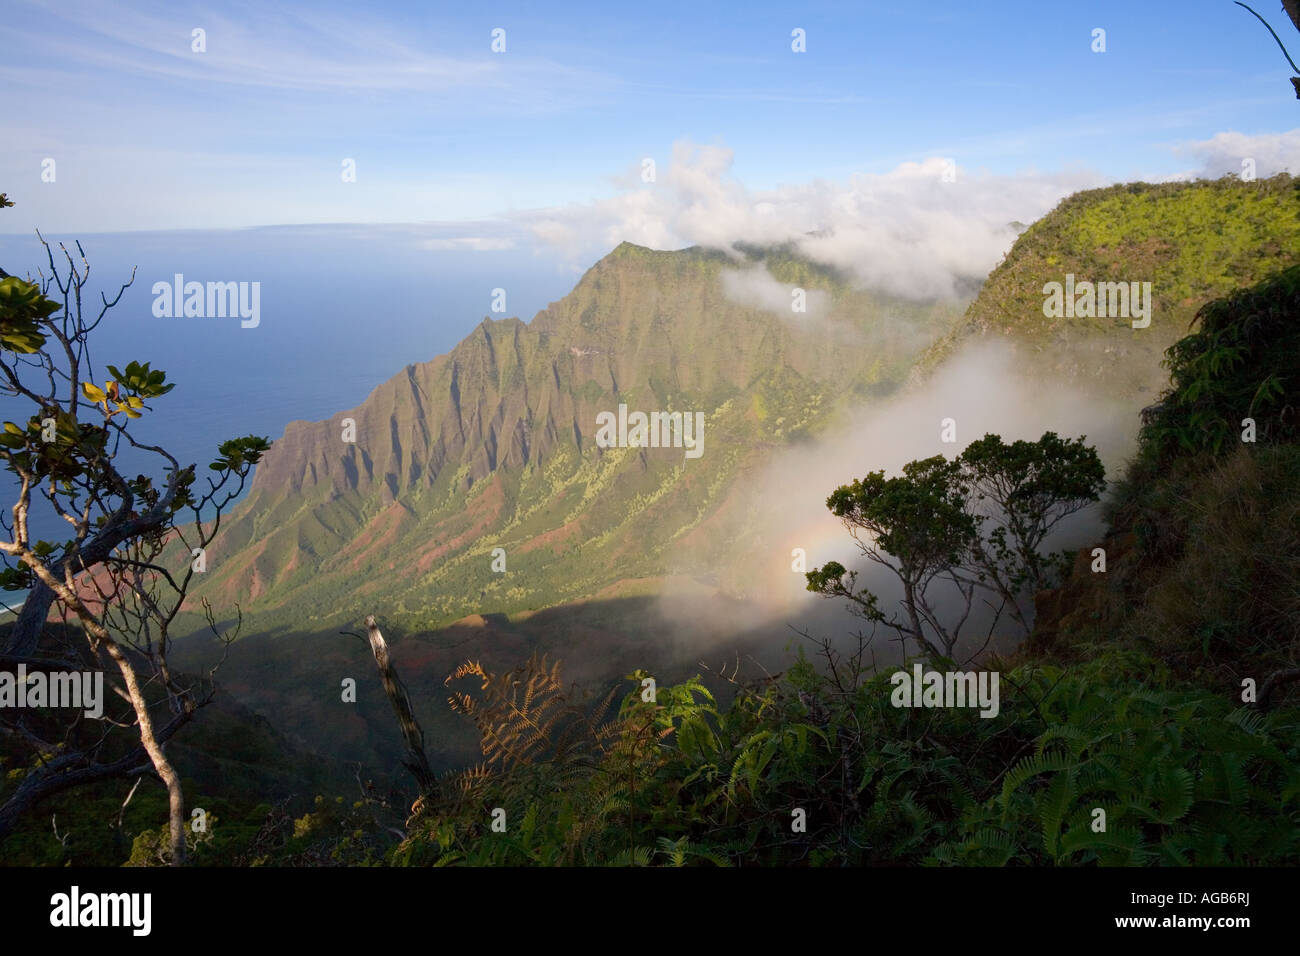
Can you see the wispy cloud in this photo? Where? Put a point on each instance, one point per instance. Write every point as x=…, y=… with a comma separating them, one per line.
x=264, y=47
x=149, y=134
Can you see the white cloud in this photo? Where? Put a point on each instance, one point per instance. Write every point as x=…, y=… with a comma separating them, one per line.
x=906, y=231
x=1223, y=153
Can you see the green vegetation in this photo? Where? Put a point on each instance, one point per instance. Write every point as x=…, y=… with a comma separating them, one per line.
x=1241, y=362
x=231, y=761
x=1150, y=718
x=1118, y=743
x=1128, y=698
x=1192, y=241
x=974, y=525
x=1184, y=778
x=1205, y=542
x=491, y=445
x=1125, y=734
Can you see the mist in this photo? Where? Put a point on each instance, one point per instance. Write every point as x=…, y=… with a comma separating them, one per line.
x=757, y=288
x=984, y=388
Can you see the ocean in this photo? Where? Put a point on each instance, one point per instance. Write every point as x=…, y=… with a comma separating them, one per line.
x=342, y=309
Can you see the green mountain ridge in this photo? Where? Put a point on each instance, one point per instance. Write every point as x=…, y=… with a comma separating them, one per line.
x=493, y=444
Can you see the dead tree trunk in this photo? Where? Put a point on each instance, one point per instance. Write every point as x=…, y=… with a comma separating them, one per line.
x=416, y=761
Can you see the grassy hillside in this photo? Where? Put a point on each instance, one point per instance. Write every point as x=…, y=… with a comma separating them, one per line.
x=1192, y=241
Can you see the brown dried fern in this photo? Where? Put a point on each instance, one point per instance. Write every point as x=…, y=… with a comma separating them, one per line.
x=520, y=714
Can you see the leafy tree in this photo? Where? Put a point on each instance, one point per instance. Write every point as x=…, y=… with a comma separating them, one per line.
x=976, y=523
x=122, y=573
x=1021, y=492
x=918, y=527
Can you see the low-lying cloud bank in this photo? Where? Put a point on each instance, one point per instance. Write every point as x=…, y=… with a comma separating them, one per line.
x=915, y=231
x=919, y=230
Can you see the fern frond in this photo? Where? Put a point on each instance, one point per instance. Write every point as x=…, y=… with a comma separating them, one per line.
x=1032, y=766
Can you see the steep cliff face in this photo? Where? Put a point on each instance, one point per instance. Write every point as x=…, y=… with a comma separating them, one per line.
x=639, y=324
x=493, y=445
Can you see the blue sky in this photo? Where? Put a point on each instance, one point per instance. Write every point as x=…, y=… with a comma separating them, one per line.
x=147, y=134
